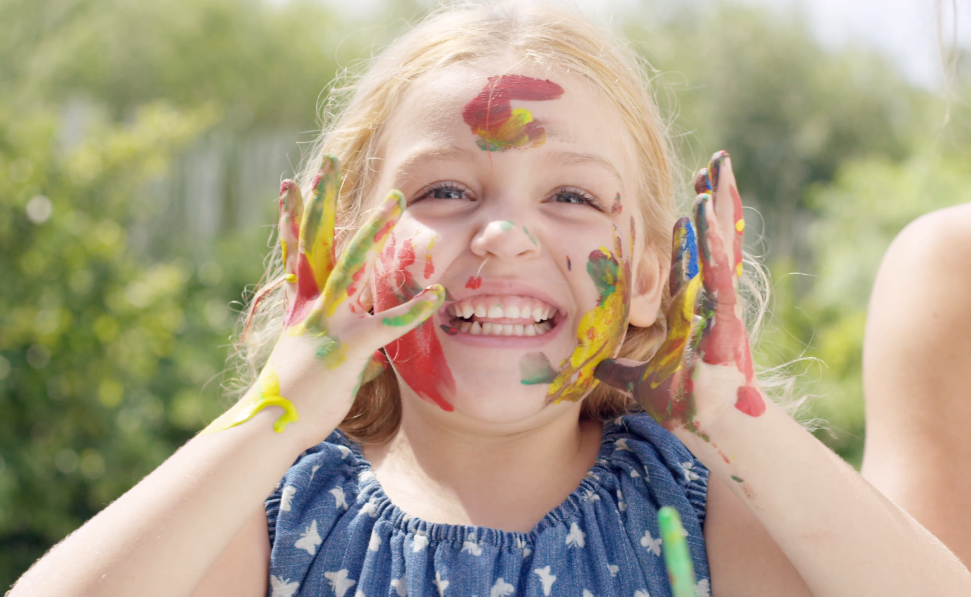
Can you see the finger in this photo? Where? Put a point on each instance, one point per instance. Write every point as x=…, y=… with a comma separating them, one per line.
x=727, y=205
x=684, y=255
x=348, y=277
x=317, y=231
x=291, y=212
x=702, y=183
x=717, y=274
x=621, y=374
x=387, y=326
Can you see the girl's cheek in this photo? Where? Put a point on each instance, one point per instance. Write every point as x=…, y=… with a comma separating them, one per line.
x=418, y=355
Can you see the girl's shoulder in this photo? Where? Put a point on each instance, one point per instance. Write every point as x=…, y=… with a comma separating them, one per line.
x=330, y=521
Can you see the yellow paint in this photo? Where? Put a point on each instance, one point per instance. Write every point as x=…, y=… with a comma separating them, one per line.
x=283, y=246
x=599, y=335
x=740, y=225
x=292, y=278
x=680, y=323
x=317, y=226
x=244, y=410
x=738, y=270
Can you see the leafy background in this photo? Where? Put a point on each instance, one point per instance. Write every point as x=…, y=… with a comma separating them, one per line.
x=141, y=145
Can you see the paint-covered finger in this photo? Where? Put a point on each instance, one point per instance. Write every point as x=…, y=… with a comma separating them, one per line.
x=677, y=558
x=317, y=230
x=291, y=212
x=702, y=184
x=621, y=374
x=727, y=205
x=387, y=326
x=350, y=273
x=684, y=255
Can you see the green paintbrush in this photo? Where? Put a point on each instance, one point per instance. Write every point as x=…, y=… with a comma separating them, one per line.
x=681, y=573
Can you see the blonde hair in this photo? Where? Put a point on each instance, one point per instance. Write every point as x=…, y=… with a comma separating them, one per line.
x=354, y=122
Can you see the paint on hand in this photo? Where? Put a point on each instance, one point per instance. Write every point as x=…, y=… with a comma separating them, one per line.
x=498, y=125
x=417, y=355
x=430, y=299
x=268, y=394
x=617, y=207
x=474, y=282
x=677, y=558
x=535, y=368
x=601, y=329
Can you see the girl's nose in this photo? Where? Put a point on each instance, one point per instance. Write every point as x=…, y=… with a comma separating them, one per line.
x=505, y=240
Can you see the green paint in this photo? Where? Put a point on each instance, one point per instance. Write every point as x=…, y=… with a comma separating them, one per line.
x=535, y=368
x=737, y=479
x=326, y=346
x=421, y=310
x=602, y=269
x=681, y=573
x=506, y=225
x=526, y=230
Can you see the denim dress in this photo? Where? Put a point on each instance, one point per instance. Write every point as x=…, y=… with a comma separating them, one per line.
x=334, y=532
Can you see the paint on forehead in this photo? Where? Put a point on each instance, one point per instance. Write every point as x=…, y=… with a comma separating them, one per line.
x=418, y=355
x=500, y=126
x=535, y=368
x=617, y=207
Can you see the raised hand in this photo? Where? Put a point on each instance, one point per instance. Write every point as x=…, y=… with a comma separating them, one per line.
x=705, y=328
x=329, y=336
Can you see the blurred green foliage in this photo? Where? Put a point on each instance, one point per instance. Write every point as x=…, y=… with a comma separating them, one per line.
x=114, y=330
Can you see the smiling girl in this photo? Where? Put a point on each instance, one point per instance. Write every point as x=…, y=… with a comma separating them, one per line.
x=479, y=248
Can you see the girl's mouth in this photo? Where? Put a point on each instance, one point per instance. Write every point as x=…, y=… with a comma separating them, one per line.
x=501, y=315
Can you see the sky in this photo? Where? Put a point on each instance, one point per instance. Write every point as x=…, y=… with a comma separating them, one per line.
x=903, y=30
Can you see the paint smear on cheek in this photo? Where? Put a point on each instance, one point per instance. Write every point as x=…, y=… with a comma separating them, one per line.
x=417, y=355
x=617, y=207
x=500, y=127
x=535, y=368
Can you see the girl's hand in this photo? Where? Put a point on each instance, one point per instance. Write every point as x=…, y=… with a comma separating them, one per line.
x=704, y=363
x=329, y=336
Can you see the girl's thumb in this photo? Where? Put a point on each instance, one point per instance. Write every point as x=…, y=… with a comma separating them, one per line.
x=388, y=326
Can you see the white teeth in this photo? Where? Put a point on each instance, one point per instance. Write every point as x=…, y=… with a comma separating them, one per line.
x=465, y=327
x=518, y=330
x=507, y=329
x=479, y=310
x=476, y=329
x=529, y=330
x=512, y=312
x=495, y=312
x=524, y=312
x=467, y=311
x=487, y=329
x=537, y=316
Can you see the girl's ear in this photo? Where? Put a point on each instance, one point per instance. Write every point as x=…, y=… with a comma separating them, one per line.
x=647, y=289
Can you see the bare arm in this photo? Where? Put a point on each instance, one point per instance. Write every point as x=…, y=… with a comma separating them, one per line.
x=917, y=377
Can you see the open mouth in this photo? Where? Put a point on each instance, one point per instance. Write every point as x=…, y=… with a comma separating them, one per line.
x=501, y=315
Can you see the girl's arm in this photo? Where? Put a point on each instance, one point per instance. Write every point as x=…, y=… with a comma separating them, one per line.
x=841, y=535
x=916, y=376
x=163, y=536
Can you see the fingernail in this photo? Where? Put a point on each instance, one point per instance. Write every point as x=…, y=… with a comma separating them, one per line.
x=714, y=168
x=397, y=198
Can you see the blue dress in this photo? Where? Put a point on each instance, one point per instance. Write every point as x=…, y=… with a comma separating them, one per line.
x=333, y=530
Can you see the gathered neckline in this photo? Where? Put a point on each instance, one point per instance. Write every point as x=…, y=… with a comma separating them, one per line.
x=382, y=507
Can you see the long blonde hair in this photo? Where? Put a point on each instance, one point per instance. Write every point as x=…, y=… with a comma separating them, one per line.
x=355, y=118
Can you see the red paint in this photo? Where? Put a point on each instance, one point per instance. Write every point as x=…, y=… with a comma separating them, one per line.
x=475, y=282
x=287, y=208
x=418, y=355
x=450, y=330
x=354, y=286
x=490, y=110
x=307, y=292
x=429, y=266
x=750, y=401
x=384, y=230
x=617, y=207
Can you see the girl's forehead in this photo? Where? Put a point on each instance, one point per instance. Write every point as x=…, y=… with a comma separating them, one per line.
x=467, y=105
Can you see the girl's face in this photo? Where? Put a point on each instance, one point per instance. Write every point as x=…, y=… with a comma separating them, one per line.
x=520, y=203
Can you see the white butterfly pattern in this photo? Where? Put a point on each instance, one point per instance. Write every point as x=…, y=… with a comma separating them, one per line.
x=419, y=543
x=309, y=539
x=590, y=496
x=521, y=544
x=370, y=508
x=704, y=588
x=689, y=474
x=641, y=594
x=546, y=578
x=339, y=501
x=621, y=504
x=587, y=593
x=621, y=445
x=576, y=537
x=440, y=584
x=501, y=589
x=339, y=582
x=283, y=587
x=472, y=547
x=400, y=586
x=286, y=496
x=313, y=471
x=651, y=543
x=345, y=451
x=613, y=569
x=375, y=543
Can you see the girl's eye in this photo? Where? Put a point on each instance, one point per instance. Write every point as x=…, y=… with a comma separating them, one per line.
x=575, y=196
x=443, y=190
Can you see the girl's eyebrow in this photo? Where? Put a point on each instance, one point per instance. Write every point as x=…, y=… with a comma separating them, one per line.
x=572, y=158
x=430, y=153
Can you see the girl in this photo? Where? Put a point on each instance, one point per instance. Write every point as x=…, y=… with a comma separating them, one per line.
x=526, y=245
